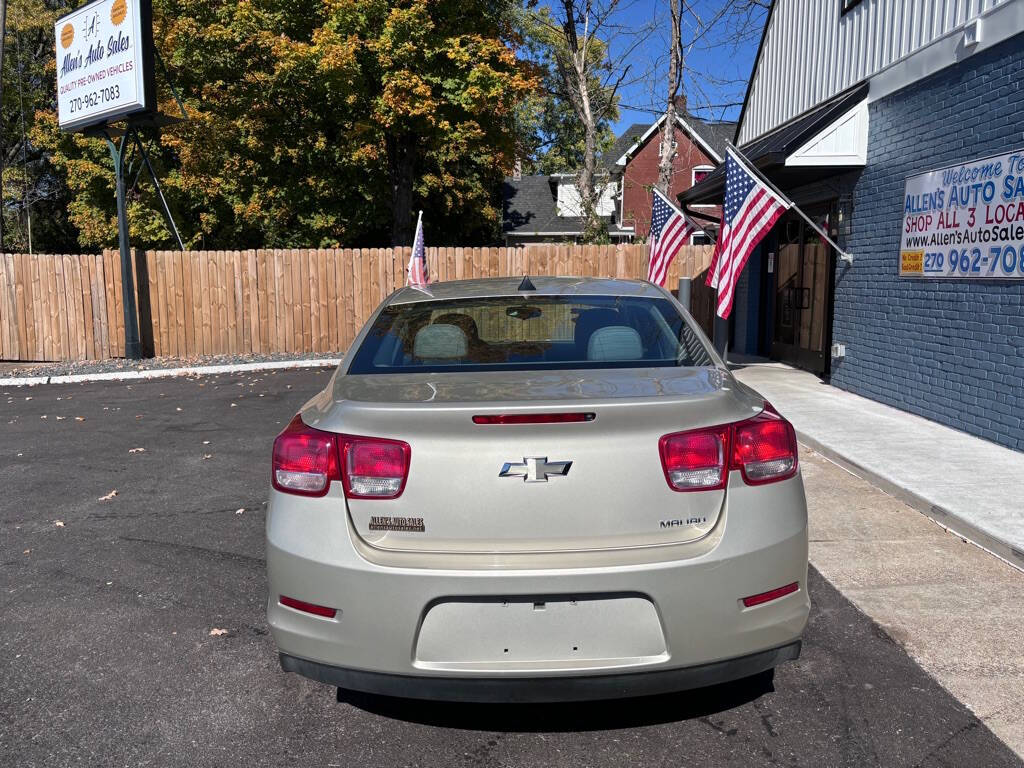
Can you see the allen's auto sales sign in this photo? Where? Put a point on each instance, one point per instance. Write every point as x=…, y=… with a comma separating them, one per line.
x=966, y=220
x=102, y=62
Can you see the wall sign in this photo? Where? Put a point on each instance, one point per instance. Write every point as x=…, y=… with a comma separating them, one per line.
x=966, y=220
x=104, y=62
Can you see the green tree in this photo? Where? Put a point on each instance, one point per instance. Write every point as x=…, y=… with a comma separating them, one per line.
x=34, y=198
x=319, y=122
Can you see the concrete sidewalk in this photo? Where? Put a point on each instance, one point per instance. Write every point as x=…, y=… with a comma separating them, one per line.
x=968, y=485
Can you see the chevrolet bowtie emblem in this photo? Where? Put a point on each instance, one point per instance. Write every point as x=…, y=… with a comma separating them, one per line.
x=535, y=469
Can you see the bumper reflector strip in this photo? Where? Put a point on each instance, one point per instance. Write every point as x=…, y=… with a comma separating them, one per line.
x=302, y=605
x=774, y=594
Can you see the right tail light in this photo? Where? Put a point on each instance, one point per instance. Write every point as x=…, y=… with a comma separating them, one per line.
x=763, y=449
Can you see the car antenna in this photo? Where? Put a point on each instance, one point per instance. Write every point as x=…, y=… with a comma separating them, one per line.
x=527, y=284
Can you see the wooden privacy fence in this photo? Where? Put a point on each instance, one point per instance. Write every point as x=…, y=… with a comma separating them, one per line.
x=69, y=307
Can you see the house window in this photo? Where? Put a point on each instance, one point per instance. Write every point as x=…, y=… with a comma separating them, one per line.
x=700, y=173
x=848, y=5
x=699, y=238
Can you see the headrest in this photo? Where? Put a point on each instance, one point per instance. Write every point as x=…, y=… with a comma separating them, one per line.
x=440, y=342
x=615, y=342
x=459, y=320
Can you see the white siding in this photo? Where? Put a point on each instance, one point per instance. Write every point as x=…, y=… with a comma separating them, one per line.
x=811, y=53
x=570, y=204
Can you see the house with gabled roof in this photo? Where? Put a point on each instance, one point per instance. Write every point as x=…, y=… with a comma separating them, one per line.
x=546, y=208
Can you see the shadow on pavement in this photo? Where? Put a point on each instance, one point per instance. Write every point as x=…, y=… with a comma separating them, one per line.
x=569, y=716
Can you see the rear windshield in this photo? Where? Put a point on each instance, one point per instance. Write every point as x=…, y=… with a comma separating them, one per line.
x=529, y=333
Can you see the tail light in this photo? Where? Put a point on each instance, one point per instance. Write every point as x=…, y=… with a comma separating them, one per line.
x=762, y=448
x=696, y=460
x=306, y=460
x=372, y=467
x=765, y=448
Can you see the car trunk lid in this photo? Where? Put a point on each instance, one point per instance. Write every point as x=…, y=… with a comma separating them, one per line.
x=596, y=483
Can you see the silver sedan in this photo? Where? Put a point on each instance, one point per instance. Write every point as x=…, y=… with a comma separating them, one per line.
x=535, y=490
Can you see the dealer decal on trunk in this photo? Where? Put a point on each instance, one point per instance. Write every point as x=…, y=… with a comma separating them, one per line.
x=408, y=524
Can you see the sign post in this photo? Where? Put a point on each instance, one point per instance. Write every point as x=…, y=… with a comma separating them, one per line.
x=105, y=74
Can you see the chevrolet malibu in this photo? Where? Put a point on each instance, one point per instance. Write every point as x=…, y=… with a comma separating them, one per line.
x=545, y=489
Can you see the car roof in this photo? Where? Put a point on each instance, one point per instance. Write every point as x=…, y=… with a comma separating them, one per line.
x=509, y=286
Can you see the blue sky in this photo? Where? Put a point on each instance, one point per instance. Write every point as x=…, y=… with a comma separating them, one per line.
x=718, y=64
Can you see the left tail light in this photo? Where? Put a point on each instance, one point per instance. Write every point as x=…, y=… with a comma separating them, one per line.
x=306, y=460
x=372, y=467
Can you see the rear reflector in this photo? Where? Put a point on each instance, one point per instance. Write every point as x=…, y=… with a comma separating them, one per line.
x=533, y=418
x=305, y=460
x=373, y=467
x=767, y=597
x=302, y=605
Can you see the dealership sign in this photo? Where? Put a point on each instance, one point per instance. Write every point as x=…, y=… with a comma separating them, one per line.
x=966, y=220
x=104, y=62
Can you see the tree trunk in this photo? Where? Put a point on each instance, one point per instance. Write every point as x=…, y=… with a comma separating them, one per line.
x=401, y=152
x=666, y=153
x=3, y=37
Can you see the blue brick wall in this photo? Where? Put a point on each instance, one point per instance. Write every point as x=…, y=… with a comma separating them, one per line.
x=951, y=351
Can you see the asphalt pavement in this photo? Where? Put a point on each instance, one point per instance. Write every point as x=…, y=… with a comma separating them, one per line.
x=132, y=631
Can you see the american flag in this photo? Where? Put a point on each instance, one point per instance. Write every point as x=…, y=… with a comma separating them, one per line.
x=751, y=209
x=418, y=272
x=669, y=230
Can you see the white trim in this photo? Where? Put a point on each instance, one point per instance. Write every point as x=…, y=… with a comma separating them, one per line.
x=701, y=233
x=164, y=373
x=687, y=128
x=996, y=25
x=844, y=141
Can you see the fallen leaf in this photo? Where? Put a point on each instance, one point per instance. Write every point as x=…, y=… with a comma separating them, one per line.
x=136, y=450
x=217, y=632
x=59, y=523
x=109, y=496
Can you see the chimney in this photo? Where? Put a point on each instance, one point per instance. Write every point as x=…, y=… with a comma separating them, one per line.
x=517, y=170
x=681, y=104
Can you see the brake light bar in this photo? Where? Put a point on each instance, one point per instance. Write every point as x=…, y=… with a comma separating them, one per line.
x=762, y=448
x=533, y=418
x=302, y=605
x=772, y=594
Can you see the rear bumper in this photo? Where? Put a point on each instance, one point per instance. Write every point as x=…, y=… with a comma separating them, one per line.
x=542, y=689
x=669, y=618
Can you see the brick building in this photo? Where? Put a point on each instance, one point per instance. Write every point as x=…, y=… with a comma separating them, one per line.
x=546, y=208
x=905, y=139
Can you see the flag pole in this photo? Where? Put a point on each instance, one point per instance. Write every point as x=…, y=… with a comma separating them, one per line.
x=753, y=171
